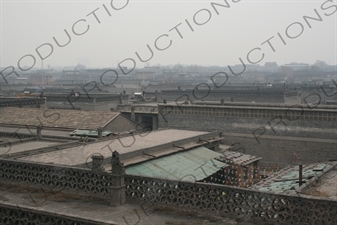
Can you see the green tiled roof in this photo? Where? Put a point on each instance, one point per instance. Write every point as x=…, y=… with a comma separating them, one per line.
x=285, y=181
x=197, y=163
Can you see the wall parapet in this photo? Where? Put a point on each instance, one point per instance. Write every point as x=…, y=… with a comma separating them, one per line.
x=221, y=199
x=90, y=98
x=21, y=102
x=56, y=176
x=291, y=113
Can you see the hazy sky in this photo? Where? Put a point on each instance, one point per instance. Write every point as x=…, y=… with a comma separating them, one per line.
x=245, y=25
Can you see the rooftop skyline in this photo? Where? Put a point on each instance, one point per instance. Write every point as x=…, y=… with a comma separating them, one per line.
x=105, y=33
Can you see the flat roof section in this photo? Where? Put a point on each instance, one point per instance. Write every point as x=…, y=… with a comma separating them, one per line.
x=327, y=187
x=198, y=163
x=32, y=131
x=82, y=154
x=286, y=180
x=29, y=145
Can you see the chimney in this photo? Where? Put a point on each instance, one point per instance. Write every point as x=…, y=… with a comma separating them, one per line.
x=97, y=162
x=118, y=188
x=116, y=166
x=38, y=133
x=300, y=170
x=120, y=99
x=99, y=131
x=156, y=98
x=133, y=115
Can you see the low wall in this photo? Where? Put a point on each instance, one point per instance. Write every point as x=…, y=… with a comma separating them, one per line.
x=38, y=151
x=196, y=197
x=222, y=200
x=10, y=214
x=22, y=102
x=57, y=177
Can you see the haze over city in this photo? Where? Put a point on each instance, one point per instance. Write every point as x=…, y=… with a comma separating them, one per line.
x=225, y=34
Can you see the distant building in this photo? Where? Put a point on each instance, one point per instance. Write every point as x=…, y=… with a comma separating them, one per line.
x=41, y=79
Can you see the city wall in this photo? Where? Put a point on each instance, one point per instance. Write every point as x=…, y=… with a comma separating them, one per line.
x=262, y=96
x=23, y=102
x=293, y=120
x=278, y=151
x=325, y=93
x=95, y=102
x=273, y=133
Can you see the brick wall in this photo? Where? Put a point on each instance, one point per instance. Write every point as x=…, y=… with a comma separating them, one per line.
x=279, y=150
x=315, y=123
x=122, y=124
x=227, y=95
x=316, y=132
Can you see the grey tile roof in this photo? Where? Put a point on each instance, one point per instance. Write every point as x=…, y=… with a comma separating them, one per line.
x=79, y=155
x=56, y=118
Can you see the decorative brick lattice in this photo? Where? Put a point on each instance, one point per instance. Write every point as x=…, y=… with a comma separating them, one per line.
x=64, y=178
x=289, y=114
x=219, y=199
x=21, y=102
